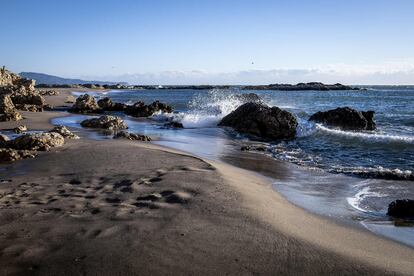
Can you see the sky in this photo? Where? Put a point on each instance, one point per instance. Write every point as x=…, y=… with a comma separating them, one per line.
x=212, y=41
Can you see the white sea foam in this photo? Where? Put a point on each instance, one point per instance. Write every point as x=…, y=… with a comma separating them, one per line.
x=366, y=192
x=368, y=136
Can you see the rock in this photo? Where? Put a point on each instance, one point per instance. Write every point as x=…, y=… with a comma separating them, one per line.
x=401, y=208
x=174, y=125
x=105, y=122
x=66, y=133
x=85, y=104
x=132, y=136
x=20, y=129
x=30, y=107
x=4, y=138
x=250, y=97
x=10, y=155
x=140, y=109
x=346, y=118
x=318, y=86
x=8, y=111
x=48, y=92
x=108, y=105
x=70, y=99
x=262, y=121
x=37, y=141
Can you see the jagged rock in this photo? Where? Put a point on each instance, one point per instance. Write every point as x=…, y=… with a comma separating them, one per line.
x=4, y=138
x=140, y=109
x=85, y=104
x=10, y=155
x=250, y=97
x=20, y=129
x=108, y=105
x=346, y=118
x=262, y=121
x=70, y=99
x=8, y=111
x=174, y=125
x=105, y=122
x=37, y=141
x=401, y=208
x=66, y=133
x=132, y=136
x=48, y=92
x=30, y=107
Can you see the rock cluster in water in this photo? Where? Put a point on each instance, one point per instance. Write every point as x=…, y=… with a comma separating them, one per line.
x=105, y=122
x=318, y=86
x=140, y=109
x=401, y=208
x=132, y=136
x=262, y=121
x=17, y=93
x=346, y=118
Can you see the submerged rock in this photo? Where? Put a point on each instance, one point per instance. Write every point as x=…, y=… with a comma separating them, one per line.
x=108, y=105
x=20, y=129
x=262, y=121
x=174, y=125
x=66, y=133
x=132, y=136
x=140, y=109
x=105, y=122
x=37, y=141
x=10, y=155
x=401, y=208
x=85, y=104
x=346, y=118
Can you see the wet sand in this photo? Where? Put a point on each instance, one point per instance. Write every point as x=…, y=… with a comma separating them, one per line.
x=117, y=207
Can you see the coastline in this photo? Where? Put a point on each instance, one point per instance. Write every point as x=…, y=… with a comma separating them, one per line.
x=232, y=223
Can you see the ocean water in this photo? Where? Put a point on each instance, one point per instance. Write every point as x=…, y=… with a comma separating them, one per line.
x=343, y=174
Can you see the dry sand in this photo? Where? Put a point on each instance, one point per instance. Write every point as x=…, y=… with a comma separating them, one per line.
x=119, y=207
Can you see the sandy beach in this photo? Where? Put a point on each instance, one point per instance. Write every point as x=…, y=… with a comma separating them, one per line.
x=118, y=207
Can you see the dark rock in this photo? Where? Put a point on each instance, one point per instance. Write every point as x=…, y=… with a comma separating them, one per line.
x=253, y=148
x=132, y=136
x=37, y=141
x=346, y=118
x=105, y=122
x=401, y=208
x=10, y=155
x=318, y=86
x=250, y=97
x=262, y=121
x=140, y=109
x=85, y=104
x=66, y=133
x=108, y=105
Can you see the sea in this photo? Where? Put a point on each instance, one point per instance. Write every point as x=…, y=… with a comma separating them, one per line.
x=347, y=176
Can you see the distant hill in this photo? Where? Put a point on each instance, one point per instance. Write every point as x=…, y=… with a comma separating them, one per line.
x=50, y=80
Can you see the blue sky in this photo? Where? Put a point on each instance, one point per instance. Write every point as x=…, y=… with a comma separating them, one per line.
x=195, y=42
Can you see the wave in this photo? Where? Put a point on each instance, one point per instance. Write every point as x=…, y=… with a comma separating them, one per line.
x=357, y=201
x=367, y=136
x=378, y=173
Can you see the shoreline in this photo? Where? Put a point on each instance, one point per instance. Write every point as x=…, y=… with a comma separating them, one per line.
x=241, y=214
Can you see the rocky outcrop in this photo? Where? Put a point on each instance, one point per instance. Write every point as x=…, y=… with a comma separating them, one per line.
x=346, y=118
x=108, y=105
x=250, y=97
x=8, y=111
x=317, y=86
x=48, y=92
x=85, y=104
x=132, y=136
x=66, y=133
x=259, y=120
x=37, y=141
x=140, y=109
x=401, y=208
x=20, y=129
x=10, y=155
x=21, y=91
x=105, y=122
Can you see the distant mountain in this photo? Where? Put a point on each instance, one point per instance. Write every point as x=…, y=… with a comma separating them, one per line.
x=50, y=80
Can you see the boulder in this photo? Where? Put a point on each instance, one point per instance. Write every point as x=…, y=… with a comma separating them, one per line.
x=401, y=208
x=132, y=136
x=173, y=125
x=20, y=129
x=4, y=138
x=108, y=105
x=346, y=118
x=262, y=121
x=70, y=99
x=8, y=111
x=85, y=104
x=140, y=109
x=48, y=92
x=66, y=133
x=253, y=148
x=10, y=155
x=250, y=97
x=105, y=122
x=37, y=141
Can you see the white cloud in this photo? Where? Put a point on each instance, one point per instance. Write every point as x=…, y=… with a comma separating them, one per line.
x=387, y=73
